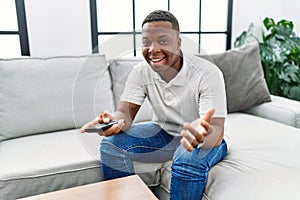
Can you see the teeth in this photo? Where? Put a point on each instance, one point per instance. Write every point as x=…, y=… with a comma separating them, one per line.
x=157, y=60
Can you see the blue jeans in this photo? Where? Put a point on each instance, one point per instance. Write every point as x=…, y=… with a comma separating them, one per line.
x=149, y=143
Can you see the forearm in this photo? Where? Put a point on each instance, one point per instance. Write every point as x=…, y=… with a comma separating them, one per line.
x=127, y=119
x=126, y=111
x=215, y=137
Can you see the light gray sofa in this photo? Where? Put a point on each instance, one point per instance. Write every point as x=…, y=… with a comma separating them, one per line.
x=44, y=102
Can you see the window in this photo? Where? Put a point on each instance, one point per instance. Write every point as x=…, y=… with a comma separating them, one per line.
x=205, y=27
x=13, y=30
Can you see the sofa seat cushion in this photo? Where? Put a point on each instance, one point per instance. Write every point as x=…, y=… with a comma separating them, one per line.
x=52, y=161
x=42, y=163
x=263, y=162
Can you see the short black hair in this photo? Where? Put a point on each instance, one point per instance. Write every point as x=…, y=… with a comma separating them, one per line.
x=162, y=15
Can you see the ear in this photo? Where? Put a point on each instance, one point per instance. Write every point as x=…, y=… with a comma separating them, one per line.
x=179, y=43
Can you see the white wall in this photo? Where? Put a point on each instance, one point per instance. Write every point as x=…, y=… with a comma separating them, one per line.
x=58, y=27
x=246, y=12
x=62, y=27
x=291, y=10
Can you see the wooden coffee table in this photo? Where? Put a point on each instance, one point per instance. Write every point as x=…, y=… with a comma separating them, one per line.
x=131, y=187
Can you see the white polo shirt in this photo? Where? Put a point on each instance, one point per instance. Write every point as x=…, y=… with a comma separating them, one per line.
x=198, y=86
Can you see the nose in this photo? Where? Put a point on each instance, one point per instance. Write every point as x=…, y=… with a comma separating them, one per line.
x=153, y=49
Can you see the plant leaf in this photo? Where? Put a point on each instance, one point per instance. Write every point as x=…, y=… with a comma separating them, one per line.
x=294, y=93
x=245, y=37
x=269, y=23
x=280, y=56
x=286, y=24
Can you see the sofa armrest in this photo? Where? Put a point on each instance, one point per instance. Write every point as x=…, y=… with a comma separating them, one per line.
x=280, y=109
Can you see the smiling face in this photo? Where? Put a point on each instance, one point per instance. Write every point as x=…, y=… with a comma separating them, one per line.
x=161, y=47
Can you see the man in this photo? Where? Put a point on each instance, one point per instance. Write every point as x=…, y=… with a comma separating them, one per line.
x=188, y=98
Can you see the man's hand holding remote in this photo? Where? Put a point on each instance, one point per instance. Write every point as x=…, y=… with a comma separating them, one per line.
x=104, y=118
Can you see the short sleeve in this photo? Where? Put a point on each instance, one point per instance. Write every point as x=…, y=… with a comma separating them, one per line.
x=212, y=93
x=134, y=91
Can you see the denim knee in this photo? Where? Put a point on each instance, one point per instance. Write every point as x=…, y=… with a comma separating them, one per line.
x=196, y=164
x=114, y=160
x=188, y=166
x=109, y=148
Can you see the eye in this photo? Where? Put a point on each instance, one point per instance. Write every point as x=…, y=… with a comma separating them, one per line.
x=146, y=43
x=163, y=41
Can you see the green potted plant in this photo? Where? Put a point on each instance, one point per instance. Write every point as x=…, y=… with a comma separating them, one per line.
x=280, y=56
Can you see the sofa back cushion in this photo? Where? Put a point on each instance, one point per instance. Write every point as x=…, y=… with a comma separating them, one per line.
x=243, y=75
x=48, y=94
x=119, y=70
